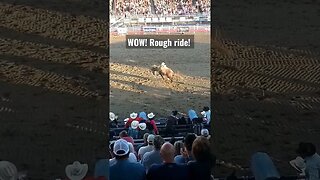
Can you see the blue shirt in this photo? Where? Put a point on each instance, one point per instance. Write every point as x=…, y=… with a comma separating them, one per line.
x=208, y=116
x=124, y=170
x=313, y=167
x=168, y=171
x=192, y=114
x=151, y=158
x=102, y=168
x=179, y=159
x=143, y=115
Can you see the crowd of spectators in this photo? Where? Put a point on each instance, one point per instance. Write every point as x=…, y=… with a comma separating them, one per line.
x=137, y=124
x=182, y=7
x=158, y=160
x=159, y=7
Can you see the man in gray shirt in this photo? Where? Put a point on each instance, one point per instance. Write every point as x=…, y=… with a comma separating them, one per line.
x=154, y=156
x=147, y=148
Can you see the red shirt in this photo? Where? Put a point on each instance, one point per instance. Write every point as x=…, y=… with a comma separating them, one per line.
x=129, y=139
x=155, y=129
x=128, y=124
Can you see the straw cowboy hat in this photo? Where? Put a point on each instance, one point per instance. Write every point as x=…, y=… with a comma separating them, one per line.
x=8, y=171
x=150, y=115
x=76, y=171
x=112, y=116
x=299, y=164
x=142, y=126
x=133, y=115
x=134, y=124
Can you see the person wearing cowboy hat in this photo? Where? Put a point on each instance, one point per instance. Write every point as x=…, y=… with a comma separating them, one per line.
x=142, y=129
x=76, y=171
x=151, y=124
x=312, y=160
x=8, y=171
x=132, y=125
x=206, y=113
x=113, y=120
x=123, y=169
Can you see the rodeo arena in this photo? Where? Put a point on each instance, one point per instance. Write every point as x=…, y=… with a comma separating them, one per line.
x=159, y=16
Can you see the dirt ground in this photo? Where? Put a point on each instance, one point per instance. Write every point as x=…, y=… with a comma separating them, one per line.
x=53, y=79
x=134, y=88
x=271, y=46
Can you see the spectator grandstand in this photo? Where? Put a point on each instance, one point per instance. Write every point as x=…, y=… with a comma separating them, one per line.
x=154, y=8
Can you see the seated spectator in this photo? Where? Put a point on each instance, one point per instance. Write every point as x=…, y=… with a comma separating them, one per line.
x=178, y=146
x=145, y=141
x=123, y=135
x=172, y=120
x=299, y=164
x=143, y=117
x=113, y=120
x=206, y=115
x=186, y=153
x=101, y=168
x=76, y=171
x=196, y=121
x=123, y=169
x=151, y=124
x=172, y=140
x=132, y=157
x=205, y=133
x=312, y=159
x=132, y=127
x=262, y=167
x=8, y=171
x=147, y=148
x=168, y=169
x=204, y=161
x=153, y=157
x=192, y=115
x=142, y=129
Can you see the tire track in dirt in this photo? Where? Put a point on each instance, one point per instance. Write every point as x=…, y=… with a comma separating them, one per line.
x=21, y=74
x=80, y=29
x=82, y=58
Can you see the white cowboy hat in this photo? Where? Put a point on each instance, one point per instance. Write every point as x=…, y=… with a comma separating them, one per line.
x=133, y=115
x=112, y=116
x=151, y=115
x=8, y=171
x=299, y=164
x=76, y=170
x=134, y=124
x=142, y=126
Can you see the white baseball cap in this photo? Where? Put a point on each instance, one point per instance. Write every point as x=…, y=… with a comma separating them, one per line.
x=121, y=147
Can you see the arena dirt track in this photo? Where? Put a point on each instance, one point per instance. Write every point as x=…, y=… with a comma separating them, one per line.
x=265, y=80
x=134, y=88
x=53, y=80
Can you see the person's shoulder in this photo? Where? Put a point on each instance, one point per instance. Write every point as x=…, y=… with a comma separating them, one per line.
x=155, y=168
x=136, y=165
x=141, y=149
x=178, y=159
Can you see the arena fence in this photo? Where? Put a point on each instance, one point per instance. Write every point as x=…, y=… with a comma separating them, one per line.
x=160, y=29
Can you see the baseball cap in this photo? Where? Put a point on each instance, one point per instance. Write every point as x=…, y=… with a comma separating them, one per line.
x=121, y=147
x=150, y=138
x=204, y=132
